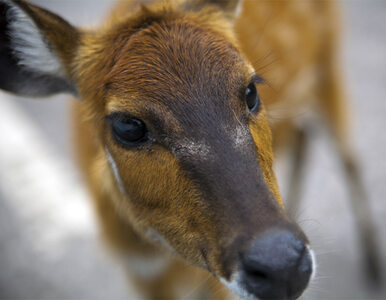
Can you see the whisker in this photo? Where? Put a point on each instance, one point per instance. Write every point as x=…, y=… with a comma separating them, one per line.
x=261, y=59
x=283, y=113
x=264, y=67
x=269, y=19
x=238, y=120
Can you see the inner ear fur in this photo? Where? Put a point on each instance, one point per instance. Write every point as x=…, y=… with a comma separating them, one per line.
x=37, y=48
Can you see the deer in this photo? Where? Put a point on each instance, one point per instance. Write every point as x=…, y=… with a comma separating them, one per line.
x=173, y=137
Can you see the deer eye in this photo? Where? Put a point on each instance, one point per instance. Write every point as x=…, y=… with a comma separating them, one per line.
x=126, y=130
x=252, y=97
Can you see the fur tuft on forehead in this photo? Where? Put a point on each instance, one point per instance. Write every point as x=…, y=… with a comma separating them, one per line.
x=106, y=59
x=160, y=53
x=175, y=56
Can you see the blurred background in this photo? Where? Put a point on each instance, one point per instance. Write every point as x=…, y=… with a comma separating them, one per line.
x=49, y=246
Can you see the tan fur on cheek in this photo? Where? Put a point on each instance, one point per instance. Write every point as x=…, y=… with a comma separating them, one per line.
x=262, y=137
x=158, y=197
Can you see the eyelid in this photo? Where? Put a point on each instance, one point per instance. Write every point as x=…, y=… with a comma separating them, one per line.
x=111, y=117
x=119, y=115
x=257, y=79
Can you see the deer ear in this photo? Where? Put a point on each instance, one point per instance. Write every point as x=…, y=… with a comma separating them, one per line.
x=37, y=48
x=231, y=7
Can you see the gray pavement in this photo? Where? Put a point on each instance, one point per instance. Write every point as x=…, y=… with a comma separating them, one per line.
x=36, y=265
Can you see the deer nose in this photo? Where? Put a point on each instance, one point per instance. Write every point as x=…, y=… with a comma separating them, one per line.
x=277, y=266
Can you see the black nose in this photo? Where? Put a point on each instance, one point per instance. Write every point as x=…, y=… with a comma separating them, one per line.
x=277, y=266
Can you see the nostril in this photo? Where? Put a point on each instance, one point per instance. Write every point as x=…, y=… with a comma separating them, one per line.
x=255, y=274
x=277, y=266
x=255, y=267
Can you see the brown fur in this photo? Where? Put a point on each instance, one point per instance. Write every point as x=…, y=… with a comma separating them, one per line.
x=148, y=168
x=147, y=165
x=179, y=67
x=292, y=44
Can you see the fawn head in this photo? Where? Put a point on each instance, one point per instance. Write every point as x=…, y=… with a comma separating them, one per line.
x=181, y=128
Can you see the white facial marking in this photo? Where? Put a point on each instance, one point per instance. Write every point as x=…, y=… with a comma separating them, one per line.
x=313, y=260
x=200, y=149
x=235, y=287
x=157, y=237
x=114, y=168
x=29, y=45
x=240, y=136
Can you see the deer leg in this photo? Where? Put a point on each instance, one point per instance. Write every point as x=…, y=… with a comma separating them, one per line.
x=362, y=213
x=335, y=108
x=297, y=171
x=358, y=197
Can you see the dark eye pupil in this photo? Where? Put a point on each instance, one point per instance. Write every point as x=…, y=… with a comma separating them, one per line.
x=128, y=130
x=252, y=97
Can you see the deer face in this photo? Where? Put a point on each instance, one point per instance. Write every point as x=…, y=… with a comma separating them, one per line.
x=184, y=135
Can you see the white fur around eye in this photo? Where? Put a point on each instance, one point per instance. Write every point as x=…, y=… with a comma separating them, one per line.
x=114, y=168
x=29, y=45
